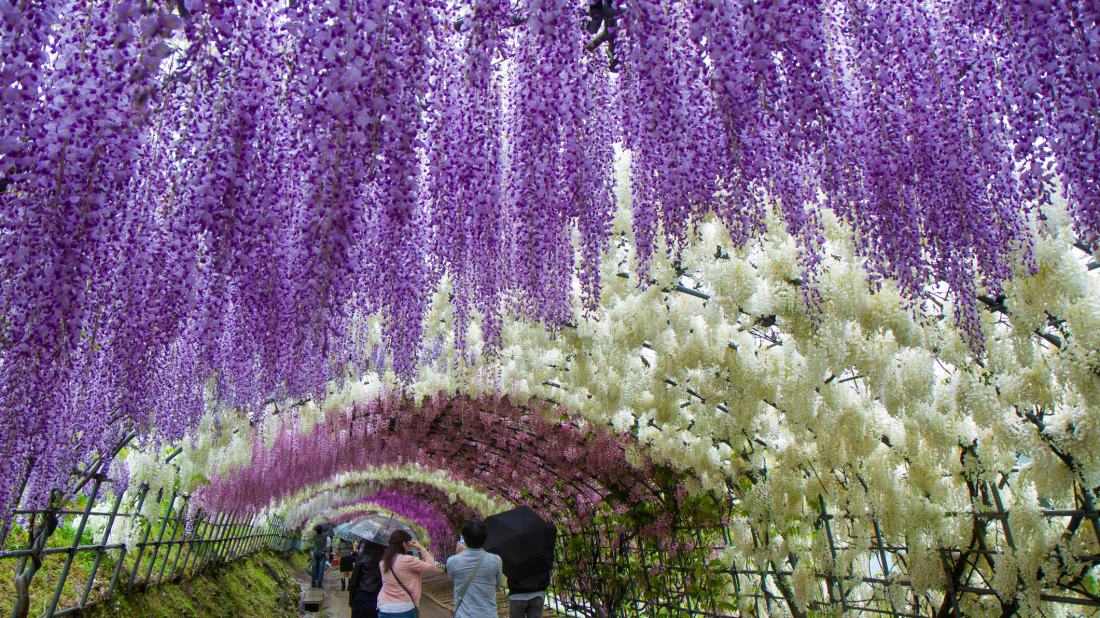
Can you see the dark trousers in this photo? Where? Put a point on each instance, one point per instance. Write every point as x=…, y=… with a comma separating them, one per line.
x=364, y=604
x=317, y=571
x=525, y=609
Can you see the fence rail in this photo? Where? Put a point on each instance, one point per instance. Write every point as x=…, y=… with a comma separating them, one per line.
x=869, y=572
x=173, y=547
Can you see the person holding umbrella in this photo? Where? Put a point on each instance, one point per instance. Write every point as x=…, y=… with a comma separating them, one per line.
x=525, y=543
x=476, y=573
x=366, y=581
x=347, y=565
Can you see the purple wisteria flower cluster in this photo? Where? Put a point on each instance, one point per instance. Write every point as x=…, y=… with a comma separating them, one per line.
x=203, y=198
x=439, y=528
x=511, y=451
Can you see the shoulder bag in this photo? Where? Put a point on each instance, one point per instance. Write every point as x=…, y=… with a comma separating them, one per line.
x=469, y=580
x=416, y=608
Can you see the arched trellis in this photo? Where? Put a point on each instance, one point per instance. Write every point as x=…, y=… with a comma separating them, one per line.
x=963, y=572
x=772, y=583
x=316, y=501
x=351, y=512
x=465, y=436
x=440, y=526
x=608, y=510
x=308, y=502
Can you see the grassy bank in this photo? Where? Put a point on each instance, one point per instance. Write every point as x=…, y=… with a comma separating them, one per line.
x=45, y=580
x=263, y=585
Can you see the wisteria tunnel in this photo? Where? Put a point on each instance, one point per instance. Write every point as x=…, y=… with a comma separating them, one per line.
x=772, y=308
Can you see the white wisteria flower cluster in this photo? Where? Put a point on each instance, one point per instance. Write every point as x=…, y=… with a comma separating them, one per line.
x=866, y=404
x=314, y=499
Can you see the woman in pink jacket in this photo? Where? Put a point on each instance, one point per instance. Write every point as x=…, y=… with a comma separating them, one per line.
x=400, y=594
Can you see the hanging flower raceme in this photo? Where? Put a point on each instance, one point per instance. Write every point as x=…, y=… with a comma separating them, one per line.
x=1045, y=58
x=671, y=126
x=68, y=152
x=234, y=200
x=511, y=451
x=937, y=199
x=440, y=530
x=464, y=169
x=395, y=255
x=546, y=74
x=214, y=204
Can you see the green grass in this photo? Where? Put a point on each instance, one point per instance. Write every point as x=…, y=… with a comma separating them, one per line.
x=263, y=585
x=45, y=580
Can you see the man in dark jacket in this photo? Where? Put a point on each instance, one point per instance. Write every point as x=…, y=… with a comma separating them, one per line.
x=366, y=581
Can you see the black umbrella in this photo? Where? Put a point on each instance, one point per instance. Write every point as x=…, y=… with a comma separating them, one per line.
x=525, y=543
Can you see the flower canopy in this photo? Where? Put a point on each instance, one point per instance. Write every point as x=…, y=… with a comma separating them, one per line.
x=799, y=257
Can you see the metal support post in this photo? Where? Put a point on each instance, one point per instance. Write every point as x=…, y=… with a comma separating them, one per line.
x=141, y=546
x=122, y=554
x=99, y=552
x=76, y=543
x=212, y=543
x=190, y=544
x=227, y=527
x=242, y=542
x=172, y=544
x=232, y=545
x=160, y=538
x=202, y=544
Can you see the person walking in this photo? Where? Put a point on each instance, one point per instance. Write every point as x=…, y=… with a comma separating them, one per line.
x=366, y=581
x=476, y=573
x=401, y=584
x=527, y=596
x=317, y=562
x=347, y=564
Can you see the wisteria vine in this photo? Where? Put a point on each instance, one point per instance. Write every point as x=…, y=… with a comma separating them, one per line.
x=208, y=203
x=512, y=450
x=440, y=530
